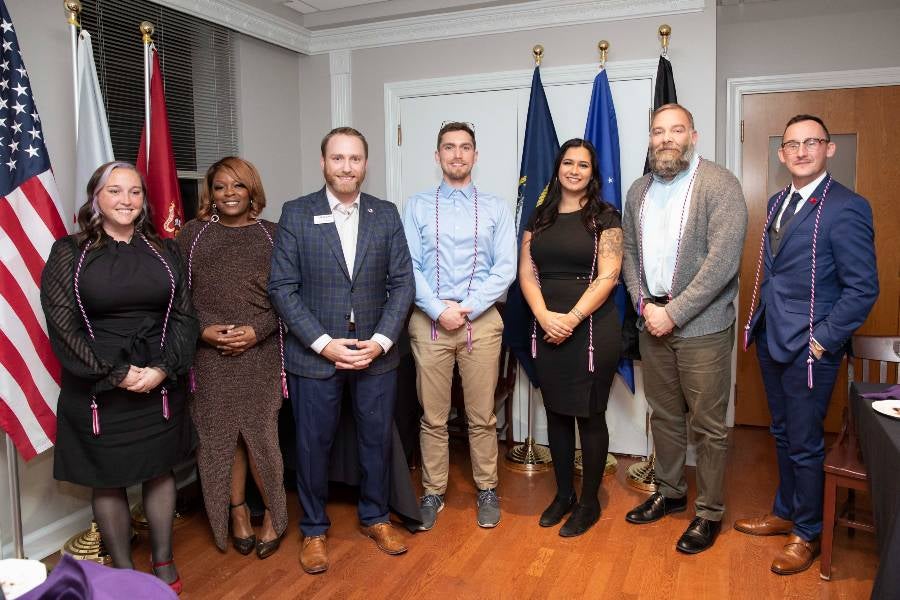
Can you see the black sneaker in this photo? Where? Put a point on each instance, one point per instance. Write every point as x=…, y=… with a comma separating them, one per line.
x=431, y=505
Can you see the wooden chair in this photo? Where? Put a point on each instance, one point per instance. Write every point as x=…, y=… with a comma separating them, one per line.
x=843, y=463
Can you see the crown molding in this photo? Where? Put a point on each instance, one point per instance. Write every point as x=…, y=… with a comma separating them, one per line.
x=246, y=19
x=536, y=14
x=523, y=16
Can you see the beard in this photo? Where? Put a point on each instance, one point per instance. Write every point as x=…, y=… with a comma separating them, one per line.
x=338, y=186
x=667, y=168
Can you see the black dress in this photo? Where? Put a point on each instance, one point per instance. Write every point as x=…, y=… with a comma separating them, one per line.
x=125, y=291
x=562, y=254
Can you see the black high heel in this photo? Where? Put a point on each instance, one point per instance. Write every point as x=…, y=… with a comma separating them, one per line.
x=267, y=549
x=243, y=545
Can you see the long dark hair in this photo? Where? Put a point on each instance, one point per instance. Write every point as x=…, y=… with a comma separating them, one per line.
x=545, y=214
x=90, y=220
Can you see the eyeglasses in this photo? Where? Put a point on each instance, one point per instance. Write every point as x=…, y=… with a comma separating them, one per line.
x=792, y=146
x=451, y=122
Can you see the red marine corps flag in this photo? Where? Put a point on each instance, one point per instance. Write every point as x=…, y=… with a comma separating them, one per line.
x=159, y=170
x=31, y=218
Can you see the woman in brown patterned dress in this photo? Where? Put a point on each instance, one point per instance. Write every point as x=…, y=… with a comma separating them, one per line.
x=237, y=375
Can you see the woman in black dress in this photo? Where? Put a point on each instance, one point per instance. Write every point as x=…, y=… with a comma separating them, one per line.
x=121, y=324
x=570, y=261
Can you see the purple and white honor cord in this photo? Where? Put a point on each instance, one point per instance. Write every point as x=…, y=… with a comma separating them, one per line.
x=640, y=303
x=812, y=283
x=437, y=260
x=590, y=317
x=164, y=393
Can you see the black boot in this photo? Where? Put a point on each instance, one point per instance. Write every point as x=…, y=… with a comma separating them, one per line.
x=581, y=519
x=554, y=513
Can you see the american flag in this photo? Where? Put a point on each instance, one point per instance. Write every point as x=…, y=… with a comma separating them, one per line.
x=30, y=220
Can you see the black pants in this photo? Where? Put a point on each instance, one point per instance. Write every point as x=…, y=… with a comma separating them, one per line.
x=594, y=446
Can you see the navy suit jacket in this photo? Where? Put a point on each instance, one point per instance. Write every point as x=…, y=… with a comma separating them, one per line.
x=314, y=293
x=846, y=275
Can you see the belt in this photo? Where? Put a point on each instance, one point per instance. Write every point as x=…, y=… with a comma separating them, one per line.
x=661, y=300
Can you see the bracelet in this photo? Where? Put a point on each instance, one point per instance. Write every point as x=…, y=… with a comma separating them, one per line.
x=577, y=313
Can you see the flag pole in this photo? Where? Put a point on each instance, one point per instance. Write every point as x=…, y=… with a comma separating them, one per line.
x=15, y=500
x=147, y=35
x=73, y=10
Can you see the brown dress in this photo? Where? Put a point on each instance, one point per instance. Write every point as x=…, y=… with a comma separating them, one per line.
x=235, y=395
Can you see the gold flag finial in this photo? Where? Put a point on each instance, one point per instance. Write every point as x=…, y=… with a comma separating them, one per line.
x=664, y=32
x=603, y=47
x=538, y=53
x=147, y=31
x=73, y=9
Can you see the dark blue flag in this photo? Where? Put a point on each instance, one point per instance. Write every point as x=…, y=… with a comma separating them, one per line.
x=538, y=153
x=603, y=131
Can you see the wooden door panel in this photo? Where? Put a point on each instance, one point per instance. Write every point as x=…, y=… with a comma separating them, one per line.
x=871, y=114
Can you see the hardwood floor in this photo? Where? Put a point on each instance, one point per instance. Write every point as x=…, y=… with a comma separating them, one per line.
x=519, y=559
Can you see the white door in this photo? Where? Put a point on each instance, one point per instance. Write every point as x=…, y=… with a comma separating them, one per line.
x=499, y=118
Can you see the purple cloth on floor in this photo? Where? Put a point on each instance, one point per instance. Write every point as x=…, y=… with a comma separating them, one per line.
x=75, y=579
x=891, y=393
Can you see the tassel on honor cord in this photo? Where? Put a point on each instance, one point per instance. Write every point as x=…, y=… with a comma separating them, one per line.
x=284, y=387
x=95, y=417
x=165, y=402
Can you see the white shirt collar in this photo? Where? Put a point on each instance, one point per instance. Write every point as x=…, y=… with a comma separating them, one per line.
x=333, y=201
x=807, y=190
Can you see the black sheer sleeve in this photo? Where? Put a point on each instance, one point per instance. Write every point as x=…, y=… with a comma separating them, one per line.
x=183, y=328
x=65, y=325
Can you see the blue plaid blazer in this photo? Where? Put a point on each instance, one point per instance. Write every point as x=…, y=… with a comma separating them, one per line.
x=313, y=291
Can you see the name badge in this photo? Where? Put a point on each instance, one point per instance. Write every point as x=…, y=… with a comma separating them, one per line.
x=321, y=219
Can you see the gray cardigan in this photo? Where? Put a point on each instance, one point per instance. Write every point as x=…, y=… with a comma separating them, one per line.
x=706, y=281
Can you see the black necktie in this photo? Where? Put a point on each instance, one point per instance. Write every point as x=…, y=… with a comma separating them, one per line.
x=791, y=209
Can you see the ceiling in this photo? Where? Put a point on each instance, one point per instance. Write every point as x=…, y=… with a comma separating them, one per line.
x=319, y=14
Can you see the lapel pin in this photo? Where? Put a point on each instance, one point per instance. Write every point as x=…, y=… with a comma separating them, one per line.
x=371, y=210
x=813, y=200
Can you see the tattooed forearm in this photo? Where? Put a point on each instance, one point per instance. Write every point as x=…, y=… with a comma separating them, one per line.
x=614, y=274
x=610, y=244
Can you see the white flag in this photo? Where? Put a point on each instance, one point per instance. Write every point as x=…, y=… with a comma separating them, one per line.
x=93, y=146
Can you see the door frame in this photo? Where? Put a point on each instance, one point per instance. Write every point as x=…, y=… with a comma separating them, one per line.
x=738, y=87
x=394, y=91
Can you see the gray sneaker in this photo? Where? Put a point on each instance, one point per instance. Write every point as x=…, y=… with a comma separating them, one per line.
x=431, y=505
x=488, y=508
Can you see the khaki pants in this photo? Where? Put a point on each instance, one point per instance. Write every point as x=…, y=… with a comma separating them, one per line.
x=687, y=382
x=434, y=373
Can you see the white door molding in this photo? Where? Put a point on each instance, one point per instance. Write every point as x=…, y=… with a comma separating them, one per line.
x=341, y=100
x=480, y=82
x=738, y=87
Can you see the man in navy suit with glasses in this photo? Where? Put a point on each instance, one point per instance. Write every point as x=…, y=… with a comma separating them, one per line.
x=817, y=256
x=342, y=282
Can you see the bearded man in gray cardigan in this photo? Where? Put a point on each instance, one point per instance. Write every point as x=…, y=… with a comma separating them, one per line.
x=684, y=226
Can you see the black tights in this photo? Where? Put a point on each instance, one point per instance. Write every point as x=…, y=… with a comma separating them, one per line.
x=113, y=515
x=594, y=446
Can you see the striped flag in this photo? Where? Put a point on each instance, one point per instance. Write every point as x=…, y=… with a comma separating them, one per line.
x=31, y=218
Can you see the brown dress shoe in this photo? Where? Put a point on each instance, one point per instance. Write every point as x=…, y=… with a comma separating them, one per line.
x=386, y=537
x=764, y=525
x=796, y=556
x=313, y=556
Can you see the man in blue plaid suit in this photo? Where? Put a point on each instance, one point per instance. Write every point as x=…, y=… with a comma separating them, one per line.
x=342, y=282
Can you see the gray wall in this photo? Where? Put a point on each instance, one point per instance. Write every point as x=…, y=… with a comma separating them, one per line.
x=802, y=36
x=693, y=53
x=268, y=83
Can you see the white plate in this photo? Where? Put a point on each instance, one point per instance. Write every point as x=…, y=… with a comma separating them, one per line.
x=890, y=408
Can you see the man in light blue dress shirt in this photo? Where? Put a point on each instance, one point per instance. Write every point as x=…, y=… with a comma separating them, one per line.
x=463, y=247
